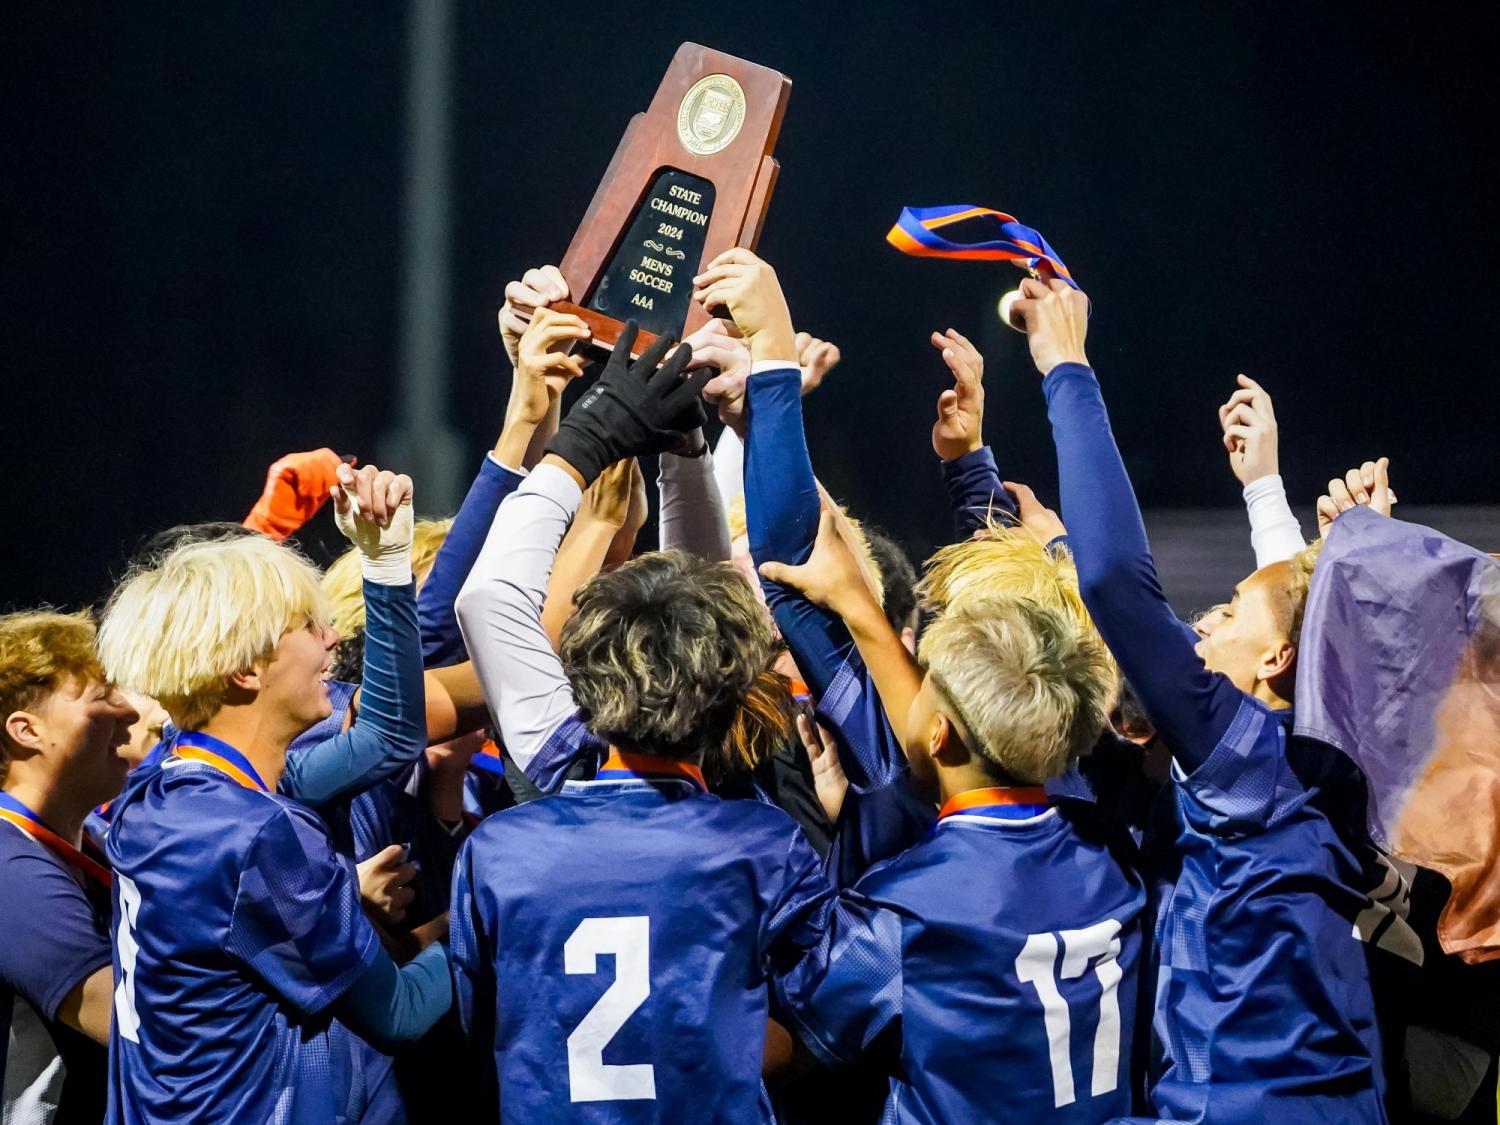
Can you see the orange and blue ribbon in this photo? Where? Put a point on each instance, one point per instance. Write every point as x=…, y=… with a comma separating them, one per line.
x=31, y=824
x=916, y=233
x=195, y=746
x=647, y=767
x=999, y=803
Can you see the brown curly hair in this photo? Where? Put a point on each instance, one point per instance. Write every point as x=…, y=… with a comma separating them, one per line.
x=661, y=652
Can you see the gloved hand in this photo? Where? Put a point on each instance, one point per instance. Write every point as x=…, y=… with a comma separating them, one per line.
x=297, y=485
x=632, y=409
x=373, y=510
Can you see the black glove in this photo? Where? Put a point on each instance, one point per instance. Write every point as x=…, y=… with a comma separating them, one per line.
x=632, y=408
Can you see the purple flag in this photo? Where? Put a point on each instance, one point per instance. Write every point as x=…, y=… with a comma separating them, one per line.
x=1399, y=667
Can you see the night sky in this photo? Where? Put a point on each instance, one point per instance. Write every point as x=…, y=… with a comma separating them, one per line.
x=203, y=211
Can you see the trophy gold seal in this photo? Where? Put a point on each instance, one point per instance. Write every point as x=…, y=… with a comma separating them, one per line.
x=711, y=115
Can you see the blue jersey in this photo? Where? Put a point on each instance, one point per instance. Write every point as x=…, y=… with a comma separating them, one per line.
x=1264, y=1005
x=612, y=945
x=236, y=926
x=992, y=969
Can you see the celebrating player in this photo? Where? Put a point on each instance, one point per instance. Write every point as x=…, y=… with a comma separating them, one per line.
x=238, y=931
x=613, y=944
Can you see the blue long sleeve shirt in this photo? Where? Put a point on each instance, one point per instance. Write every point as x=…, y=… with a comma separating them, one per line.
x=974, y=490
x=1263, y=1001
x=882, y=815
x=326, y=764
x=442, y=643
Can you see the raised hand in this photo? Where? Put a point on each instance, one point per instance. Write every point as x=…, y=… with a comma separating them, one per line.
x=543, y=369
x=1040, y=521
x=960, y=409
x=748, y=288
x=816, y=358
x=1249, y=423
x=373, y=508
x=716, y=345
x=1367, y=486
x=1055, y=317
x=633, y=409
x=537, y=289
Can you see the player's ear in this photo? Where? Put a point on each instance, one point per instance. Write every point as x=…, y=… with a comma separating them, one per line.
x=1277, y=660
x=944, y=745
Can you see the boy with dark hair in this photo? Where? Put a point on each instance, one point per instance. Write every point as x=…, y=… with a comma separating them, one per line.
x=695, y=903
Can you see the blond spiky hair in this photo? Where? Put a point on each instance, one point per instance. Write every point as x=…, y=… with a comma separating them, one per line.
x=343, y=581
x=178, y=627
x=1029, y=691
x=1007, y=562
x=734, y=515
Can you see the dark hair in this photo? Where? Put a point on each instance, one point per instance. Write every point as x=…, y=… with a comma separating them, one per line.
x=161, y=542
x=898, y=576
x=662, y=651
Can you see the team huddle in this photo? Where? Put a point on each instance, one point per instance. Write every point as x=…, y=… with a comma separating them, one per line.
x=497, y=813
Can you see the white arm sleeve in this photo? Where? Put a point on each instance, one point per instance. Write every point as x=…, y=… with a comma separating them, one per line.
x=729, y=465
x=500, y=612
x=1275, y=534
x=692, y=512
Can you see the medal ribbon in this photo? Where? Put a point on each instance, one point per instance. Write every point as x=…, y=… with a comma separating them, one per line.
x=1009, y=803
x=646, y=767
x=195, y=746
x=29, y=823
x=916, y=233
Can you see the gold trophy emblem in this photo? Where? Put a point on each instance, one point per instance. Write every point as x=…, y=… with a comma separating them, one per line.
x=711, y=115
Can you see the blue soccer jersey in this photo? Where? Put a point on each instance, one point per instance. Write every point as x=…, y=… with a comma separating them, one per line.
x=992, y=969
x=236, y=926
x=612, y=945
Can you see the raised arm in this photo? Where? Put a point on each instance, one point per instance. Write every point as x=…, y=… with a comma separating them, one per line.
x=542, y=369
x=374, y=511
x=781, y=512
x=969, y=471
x=1250, y=437
x=1191, y=706
x=500, y=612
x=633, y=409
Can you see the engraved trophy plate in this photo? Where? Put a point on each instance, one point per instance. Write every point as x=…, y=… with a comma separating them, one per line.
x=650, y=278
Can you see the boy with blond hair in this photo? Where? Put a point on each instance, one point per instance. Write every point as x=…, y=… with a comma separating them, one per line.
x=962, y=965
x=238, y=930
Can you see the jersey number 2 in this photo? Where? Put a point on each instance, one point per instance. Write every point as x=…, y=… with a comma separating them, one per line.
x=590, y=1078
x=1037, y=966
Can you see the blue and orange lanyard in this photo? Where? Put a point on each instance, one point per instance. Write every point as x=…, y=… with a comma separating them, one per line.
x=646, y=767
x=31, y=824
x=916, y=233
x=195, y=746
x=998, y=803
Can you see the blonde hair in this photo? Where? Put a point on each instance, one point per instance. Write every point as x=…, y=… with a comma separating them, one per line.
x=1300, y=585
x=180, y=625
x=1008, y=562
x=734, y=515
x=41, y=652
x=343, y=581
x=1029, y=691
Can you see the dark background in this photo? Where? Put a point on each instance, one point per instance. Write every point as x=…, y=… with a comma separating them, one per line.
x=202, y=251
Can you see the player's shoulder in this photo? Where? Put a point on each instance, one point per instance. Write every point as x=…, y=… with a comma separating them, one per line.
x=28, y=869
x=187, y=802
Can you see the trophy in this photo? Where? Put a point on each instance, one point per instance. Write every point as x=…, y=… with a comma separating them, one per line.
x=692, y=177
